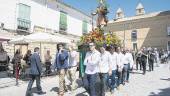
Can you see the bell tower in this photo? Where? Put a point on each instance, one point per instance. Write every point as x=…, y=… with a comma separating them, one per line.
x=119, y=14
x=140, y=9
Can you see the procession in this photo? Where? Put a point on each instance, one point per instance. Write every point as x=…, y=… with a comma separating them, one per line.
x=102, y=61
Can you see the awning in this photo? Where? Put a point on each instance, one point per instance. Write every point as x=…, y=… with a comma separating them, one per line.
x=4, y=38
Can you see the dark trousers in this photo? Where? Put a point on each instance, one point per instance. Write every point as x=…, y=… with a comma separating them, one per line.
x=151, y=62
x=48, y=67
x=112, y=80
x=119, y=75
x=103, y=83
x=138, y=64
x=144, y=66
x=91, y=83
x=38, y=84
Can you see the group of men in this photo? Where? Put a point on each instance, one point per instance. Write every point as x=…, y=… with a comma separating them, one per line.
x=149, y=56
x=65, y=63
x=112, y=66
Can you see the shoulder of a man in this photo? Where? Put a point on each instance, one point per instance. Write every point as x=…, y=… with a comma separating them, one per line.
x=88, y=53
x=108, y=53
x=97, y=52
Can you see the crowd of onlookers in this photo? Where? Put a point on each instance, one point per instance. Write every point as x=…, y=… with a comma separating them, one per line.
x=111, y=64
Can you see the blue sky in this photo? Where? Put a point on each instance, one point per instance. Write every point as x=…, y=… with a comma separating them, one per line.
x=128, y=6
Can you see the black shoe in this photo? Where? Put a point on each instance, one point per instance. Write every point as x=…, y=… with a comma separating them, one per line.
x=29, y=94
x=41, y=92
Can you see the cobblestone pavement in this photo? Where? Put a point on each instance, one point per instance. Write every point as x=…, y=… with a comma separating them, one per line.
x=156, y=83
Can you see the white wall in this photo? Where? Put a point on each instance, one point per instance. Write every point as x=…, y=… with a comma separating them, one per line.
x=74, y=26
x=43, y=16
x=7, y=13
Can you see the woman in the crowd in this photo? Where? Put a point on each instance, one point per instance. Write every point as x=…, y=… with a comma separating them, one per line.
x=17, y=64
x=27, y=61
x=4, y=59
x=48, y=62
x=27, y=57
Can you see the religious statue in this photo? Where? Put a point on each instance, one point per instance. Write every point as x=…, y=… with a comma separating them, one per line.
x=101, y=11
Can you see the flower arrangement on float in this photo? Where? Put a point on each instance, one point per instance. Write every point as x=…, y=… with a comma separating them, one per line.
x=100, y=38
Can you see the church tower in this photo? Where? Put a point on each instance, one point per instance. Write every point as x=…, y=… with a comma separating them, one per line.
x=119, y=14
x=140, y=9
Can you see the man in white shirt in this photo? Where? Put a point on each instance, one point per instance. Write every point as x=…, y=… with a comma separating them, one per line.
x=114, y=60
x=73, y=63
x=128, y=63
x=119, y=66
x=104, y=69
x=91, y=62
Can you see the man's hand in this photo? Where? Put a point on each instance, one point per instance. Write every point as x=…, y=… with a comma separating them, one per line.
x=110, y=72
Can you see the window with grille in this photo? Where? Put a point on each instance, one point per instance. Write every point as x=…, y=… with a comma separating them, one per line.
x=23, y=20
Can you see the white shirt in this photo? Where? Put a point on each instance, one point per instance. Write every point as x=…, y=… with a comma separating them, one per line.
x=105, y=62
x=128, y=59
x=92, y=61
x=73, y=58
x=114, y=60
x=120, y=60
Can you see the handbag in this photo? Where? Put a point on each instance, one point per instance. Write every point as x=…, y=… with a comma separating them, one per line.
x=13, y=61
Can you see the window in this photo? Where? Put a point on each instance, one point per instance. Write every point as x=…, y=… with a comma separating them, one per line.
x=168, y=31
x=168, y=45
x=134, y=35
x=84, y=27
x=140, y=11
x=63, y=21
x=118, y=14
x=23, y=19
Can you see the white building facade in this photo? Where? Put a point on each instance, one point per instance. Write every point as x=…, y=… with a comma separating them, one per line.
x=52, y=16
x=23, y=17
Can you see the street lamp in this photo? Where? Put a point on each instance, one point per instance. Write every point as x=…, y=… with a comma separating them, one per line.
x=93, y=14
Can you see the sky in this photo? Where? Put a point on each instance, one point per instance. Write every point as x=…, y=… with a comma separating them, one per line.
x=128, y=6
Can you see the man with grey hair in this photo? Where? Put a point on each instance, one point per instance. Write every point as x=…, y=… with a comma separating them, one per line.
x=72, y=66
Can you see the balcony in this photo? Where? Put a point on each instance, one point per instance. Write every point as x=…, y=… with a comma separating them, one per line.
x=23, y=25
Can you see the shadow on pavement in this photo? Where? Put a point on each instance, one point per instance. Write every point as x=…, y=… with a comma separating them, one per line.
x=55, y=89
x=34, y=90
x=164, y=92
x=168, y=79
x=82, y=94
